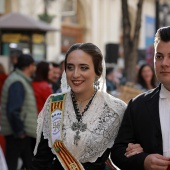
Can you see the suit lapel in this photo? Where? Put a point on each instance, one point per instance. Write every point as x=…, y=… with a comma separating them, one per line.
x=152, y=103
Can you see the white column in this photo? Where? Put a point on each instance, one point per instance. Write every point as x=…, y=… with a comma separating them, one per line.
x=104, y=24
x=95, y=21
x=54, y=38
x=15, y=6
x=2, y=6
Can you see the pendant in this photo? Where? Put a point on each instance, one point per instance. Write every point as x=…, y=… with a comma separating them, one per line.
x=78, y=126
x=76, y=138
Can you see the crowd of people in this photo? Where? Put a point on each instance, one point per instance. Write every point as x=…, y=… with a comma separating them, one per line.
x=23, y=94
x=66, y=116
x=146, y=120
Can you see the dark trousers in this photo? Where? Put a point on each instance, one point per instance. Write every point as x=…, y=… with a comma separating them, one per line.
x=18, y=148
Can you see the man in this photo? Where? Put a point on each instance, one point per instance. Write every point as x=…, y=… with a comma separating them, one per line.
x=54, y=76
x=19, y=113
x=147, y=119
x=110, y=85
x=14, y=54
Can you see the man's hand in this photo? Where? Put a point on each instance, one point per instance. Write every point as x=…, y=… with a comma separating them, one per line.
x=156, y=162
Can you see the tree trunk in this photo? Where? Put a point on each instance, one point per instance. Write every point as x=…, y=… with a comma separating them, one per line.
x=131, y=41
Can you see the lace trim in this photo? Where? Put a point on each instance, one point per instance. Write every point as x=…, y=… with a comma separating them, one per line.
x=64, y=86
x=43, y=124
x=103, y=119
x=102, y=124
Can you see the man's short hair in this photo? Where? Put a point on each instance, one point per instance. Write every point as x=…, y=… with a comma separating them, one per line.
x=24, y=60
x=162, y=34
x=109, y=70
x=15, y=52
x=55, y=65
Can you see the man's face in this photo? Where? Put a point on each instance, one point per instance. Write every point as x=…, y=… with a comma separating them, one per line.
x=55, y=73
x=162, y=63
x=31, y=69
x=14, y=60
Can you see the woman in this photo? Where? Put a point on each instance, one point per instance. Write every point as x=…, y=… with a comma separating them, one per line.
x=146, y=78
x=77, y=128
x=3, y=76
x=41, y=86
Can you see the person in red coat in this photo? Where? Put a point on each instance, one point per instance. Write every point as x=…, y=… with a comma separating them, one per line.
x=41, y=86
x=3, y=77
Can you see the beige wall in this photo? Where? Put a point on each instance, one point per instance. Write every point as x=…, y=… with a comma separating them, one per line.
x=101, y=19
x=4, y=60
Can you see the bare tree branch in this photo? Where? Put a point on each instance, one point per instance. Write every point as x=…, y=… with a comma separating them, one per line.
x=126, y=19
x=138, y=22
x=130, y=43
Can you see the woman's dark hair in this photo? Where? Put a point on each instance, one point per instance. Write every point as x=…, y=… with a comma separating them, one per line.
x=42, y=70
x=141, y=80
x=93, y=51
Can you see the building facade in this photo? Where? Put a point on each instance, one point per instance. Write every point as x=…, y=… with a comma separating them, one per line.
x=96, y=21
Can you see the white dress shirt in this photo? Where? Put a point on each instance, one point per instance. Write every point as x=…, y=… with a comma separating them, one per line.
x=164, y=113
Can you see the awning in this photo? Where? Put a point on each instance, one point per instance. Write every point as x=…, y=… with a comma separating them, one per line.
x=18, y=21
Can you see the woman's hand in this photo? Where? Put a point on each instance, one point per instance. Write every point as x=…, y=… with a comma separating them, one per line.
x=133, y=149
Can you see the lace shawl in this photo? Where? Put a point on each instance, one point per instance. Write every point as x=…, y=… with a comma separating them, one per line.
x=103, y=119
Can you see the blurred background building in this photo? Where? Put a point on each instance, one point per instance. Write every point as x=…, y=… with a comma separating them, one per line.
x=70, y=21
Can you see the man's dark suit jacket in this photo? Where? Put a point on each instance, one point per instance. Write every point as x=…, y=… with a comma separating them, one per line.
x=141, y=124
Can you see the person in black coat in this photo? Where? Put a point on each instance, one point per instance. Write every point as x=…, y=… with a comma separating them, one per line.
x=146, y=122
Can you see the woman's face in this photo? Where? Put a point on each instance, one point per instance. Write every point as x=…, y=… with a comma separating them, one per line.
x=80, y=72
x=147, y=73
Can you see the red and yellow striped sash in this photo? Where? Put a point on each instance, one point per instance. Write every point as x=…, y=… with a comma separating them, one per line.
x=65, y=157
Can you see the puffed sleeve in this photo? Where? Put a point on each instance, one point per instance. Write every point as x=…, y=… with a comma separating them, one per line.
x=44, y=157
